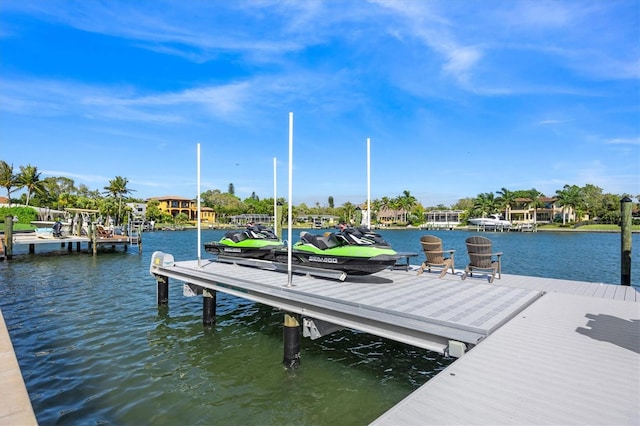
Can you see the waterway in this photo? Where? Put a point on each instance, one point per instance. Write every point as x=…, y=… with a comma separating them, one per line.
x=94, y=348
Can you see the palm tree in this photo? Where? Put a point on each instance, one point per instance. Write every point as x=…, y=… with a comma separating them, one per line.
x=536, y=203
x=29, y=178
x=118, y=187
x=570, y=196
x=376, y=205
x=506, y=200
x=8, y=179
x=348, y=208
x=407, y=202
x=396, y=207
x=484, y=203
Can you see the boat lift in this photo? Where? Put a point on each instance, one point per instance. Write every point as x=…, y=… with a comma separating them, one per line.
x=282, y=267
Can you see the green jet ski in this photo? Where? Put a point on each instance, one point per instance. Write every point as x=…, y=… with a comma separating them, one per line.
x=256, y=242
x=356, y=251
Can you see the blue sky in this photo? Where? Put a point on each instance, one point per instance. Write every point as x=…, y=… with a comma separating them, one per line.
x=458, y=98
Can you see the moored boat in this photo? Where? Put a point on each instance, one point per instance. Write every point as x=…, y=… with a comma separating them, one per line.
x=493, y=221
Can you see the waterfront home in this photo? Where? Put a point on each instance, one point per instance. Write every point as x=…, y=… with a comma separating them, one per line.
x=523, y=211
x=174, y=205
x=442, y=219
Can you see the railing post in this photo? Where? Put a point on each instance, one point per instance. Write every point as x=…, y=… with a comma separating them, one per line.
x=625, y=247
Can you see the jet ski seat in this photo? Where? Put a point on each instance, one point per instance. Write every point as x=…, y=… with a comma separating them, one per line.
x=235, y=236
x=321, y=242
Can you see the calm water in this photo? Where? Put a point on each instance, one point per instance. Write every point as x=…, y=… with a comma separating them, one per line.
x=95, y=349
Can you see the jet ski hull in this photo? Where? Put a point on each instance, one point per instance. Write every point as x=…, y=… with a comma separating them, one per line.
x=351, y=260
x=256, y=249
x=255, y=242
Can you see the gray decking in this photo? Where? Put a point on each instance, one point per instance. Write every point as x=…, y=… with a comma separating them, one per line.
x=542, y=351
x=565, y=360
x=418, y=310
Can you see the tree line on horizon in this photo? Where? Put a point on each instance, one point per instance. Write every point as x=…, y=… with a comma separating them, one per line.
x=61, y=192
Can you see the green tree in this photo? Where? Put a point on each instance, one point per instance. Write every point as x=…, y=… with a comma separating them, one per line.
x=376, y=205
x=224, y=204
x=506, y=200
x=231, y=189
x=153, y=211
x=609, y=209
x=569, y=197
x=118, y=187
x=29, y=178
x=484, y=204
x=347, y=211
x=536, y=203
x=593, y=201
x=406, y=202
x=8, y=179
x=330, y=202
x=181, y=219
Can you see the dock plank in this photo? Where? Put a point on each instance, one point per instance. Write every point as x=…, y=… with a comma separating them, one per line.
x=564, y=360
x=395, y=304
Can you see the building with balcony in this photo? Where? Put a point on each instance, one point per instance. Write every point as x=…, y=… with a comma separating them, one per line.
x=174, y=205
x=523, y=211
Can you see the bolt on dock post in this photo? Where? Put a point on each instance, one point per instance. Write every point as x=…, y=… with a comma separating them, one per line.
x=291, y=340
x=625, y=248
x=208, y=307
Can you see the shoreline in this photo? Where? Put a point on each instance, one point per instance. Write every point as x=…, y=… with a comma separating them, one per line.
x=413, y=228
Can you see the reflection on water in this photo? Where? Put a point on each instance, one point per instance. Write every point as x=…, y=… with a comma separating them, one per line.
x=95, y=349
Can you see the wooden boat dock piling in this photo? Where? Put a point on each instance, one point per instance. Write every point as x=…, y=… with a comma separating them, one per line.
x=93, y=240
x=521, y=336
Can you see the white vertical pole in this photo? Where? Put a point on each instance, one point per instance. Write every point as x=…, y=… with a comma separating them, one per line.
x=275, y=198
x=369, y=183
x=290, y=209
x=198, y=204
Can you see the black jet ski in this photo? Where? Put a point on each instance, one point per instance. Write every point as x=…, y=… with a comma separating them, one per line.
x=356, y=251
x=256, y=242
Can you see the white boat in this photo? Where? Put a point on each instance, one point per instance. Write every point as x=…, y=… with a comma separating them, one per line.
x=493, y=221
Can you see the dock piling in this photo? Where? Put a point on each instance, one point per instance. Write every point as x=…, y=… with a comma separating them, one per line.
x=163, y=290
x=208, y=307
x=625, y=237
x=8, y=236
x=291, y=340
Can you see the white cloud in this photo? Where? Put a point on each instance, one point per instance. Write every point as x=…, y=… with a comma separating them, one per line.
x=623, y=141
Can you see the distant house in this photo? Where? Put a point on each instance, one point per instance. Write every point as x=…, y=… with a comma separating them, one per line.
x=138, y=210
x=174, y=205
x=442, y=219
x=523, y=212
x=387, y=216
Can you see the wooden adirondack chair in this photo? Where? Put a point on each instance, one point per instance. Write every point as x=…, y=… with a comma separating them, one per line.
x=435, y=256
x=481, y=258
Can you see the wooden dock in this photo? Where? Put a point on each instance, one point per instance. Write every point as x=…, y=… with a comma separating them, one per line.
x=531, y=350
x=71, y=242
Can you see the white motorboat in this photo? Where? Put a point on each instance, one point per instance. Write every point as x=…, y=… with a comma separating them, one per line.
x=493, y=221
